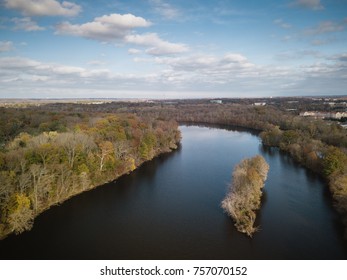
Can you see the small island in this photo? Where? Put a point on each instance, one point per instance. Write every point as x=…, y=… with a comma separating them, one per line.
x=245, y=191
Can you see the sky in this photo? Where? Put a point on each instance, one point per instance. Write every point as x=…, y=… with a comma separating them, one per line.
x=172, y=49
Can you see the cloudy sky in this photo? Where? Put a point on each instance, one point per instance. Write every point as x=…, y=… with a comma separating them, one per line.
x=169, y=49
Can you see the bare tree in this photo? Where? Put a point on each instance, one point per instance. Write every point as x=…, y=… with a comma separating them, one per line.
x=72, y=141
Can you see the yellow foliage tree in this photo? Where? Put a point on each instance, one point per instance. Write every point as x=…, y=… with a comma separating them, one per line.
x=20, y=214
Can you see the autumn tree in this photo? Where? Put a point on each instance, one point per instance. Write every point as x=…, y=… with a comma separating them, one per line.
x=334, y=161
x=73, y=143
x=20, y=215
x=243, y=197
x=105, y=152
x=272, y=136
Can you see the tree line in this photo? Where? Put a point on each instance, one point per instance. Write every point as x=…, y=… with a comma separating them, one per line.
x=44, y=163
x=327, y=160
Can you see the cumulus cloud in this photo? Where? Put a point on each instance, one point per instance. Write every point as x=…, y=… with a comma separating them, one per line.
x=6, y=46
x=28, y=69
x=207, y=70
x=119, y=28
x=309, y=4
x=111, y=27
x=27, y=24
x=165, y=9
x=157, y=45
x=16, y=72
x=44, y=7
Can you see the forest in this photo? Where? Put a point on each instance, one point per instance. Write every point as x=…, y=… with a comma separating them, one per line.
x=318, y=144
x=47, y=157
x=245, y=191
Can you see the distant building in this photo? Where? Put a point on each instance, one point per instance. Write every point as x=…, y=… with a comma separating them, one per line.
x=218, y=101
x=259, y=104
x=324, y=115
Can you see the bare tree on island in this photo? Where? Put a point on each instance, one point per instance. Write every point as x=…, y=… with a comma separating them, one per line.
x=245, y=191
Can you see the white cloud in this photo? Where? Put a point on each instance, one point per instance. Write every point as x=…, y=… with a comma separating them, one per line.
x=111, y=27
x=319, y=42
x=323, y=33
x=165, y=9
x=209, y=64
x=6, y=46
x=325, y=27
x=19, y=71
x=142, y=59
x=234, y=72
x=96, y=63
x=281, y=23
x=310, y=4
x=156, y=44
x=343, y=57
x=64, y=70
x=298, y=55
x=134, y=51
x=231, y=72
x=235, y=58
x=199, y=71
x=26, y=67
x=340, y=58
x=27, y=24
x=44, y=7
x=286, y=38
x=116, y=27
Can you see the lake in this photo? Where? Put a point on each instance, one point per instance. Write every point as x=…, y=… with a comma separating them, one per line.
x=169, y=208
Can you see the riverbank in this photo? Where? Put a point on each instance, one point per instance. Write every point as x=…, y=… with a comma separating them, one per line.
x=169, y=206
x=328, y=161
x=39, y=171
x=7, y=231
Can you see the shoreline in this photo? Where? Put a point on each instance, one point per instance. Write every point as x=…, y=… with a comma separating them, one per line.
x=8, y=232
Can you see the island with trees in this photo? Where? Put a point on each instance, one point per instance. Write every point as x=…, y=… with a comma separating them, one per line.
x=244, y=195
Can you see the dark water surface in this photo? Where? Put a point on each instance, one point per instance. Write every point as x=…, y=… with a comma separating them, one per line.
x=170, y=209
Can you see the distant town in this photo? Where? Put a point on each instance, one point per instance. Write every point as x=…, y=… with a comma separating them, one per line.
x=325, y=107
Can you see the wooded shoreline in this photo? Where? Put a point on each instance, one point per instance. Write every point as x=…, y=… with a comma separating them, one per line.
x=42, y=169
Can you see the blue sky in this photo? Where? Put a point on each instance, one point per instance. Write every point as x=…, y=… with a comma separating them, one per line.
x=172, y=49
